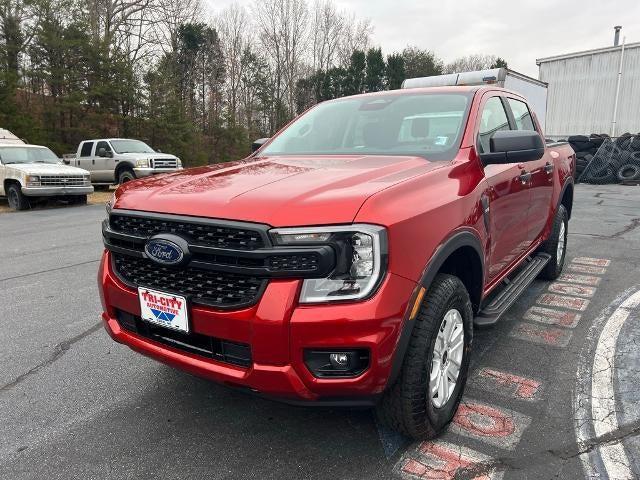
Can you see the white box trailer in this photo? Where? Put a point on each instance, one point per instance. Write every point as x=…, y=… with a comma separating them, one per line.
x=533, y=90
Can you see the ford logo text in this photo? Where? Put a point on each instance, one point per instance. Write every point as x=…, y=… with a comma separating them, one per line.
x=164, y=251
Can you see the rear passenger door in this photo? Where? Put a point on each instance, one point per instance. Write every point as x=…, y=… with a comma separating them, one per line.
x=541, y=182
x=509, y=195
x=85, y=159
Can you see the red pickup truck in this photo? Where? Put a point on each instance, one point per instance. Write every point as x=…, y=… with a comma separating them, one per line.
x=346, y=261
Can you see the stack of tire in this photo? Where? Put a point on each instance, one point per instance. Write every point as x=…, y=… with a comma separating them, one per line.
x=609, y=160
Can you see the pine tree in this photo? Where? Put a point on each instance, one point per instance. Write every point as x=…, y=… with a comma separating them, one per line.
x=375, y=72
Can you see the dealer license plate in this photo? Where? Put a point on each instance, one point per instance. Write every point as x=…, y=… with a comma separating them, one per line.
x=164, y=309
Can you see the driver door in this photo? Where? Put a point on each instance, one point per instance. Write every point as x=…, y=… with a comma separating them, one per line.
x=509, y=195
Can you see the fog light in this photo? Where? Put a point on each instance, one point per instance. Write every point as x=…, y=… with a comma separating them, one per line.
x=332, y=363
x=339, y=360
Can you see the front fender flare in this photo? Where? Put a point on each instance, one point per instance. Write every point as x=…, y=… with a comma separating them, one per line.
x=460, y=238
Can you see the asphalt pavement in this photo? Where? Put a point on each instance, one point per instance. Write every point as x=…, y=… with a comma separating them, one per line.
x=552, y=394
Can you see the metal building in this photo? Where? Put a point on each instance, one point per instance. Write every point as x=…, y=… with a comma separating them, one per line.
x=582, y=89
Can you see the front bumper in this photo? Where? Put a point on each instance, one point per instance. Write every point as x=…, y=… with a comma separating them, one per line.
x=54, y=191
x=278, y=331
x=145, y=172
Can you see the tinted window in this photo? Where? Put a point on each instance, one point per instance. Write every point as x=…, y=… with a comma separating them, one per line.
x=86, y=149
x=104, y=145
x=521, y=115
x=493, y=119
x=428, y=125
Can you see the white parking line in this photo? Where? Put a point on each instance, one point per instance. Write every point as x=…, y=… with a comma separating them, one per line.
x=603, y=404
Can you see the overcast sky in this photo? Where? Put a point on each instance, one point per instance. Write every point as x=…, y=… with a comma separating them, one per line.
x=519, y=31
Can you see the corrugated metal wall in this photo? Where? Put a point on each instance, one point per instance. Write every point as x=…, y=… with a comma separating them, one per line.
x=582, y=91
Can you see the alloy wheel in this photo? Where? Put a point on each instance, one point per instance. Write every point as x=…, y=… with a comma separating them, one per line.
x=562, y=241
x=447, y=358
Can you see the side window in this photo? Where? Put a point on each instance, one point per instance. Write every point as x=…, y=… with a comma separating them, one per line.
x=493, y=118
x=103, y=144
x=521, y=114
x=86, y=149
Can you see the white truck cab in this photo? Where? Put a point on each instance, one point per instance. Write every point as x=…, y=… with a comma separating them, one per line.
x=118, y=160
x=29, y=172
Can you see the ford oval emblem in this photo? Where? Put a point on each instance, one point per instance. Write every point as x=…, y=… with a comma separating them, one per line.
x=164, y=251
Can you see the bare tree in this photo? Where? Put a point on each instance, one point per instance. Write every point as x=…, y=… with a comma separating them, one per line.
x=233, y=25
x=327, y=30
x=107, y=18
x=356, y=36
x=282, y=28
x=170, y=14
x=470, y=63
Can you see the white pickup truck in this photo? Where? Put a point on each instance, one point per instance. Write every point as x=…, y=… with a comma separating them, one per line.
x=118, y=160
x=31, y=172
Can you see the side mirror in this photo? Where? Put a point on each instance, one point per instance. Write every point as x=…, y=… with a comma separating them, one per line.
x=514, y=146
x=258, y=143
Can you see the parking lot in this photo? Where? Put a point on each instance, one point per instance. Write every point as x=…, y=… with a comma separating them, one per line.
x=553, y=387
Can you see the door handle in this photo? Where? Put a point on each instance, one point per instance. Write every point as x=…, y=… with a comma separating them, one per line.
x=548, y=167
x=525, y=176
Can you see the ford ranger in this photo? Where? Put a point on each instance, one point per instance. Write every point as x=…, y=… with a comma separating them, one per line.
x=346, y=261
x=118, y=160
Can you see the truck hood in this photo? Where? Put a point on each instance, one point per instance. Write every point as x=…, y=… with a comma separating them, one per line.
x=279, y=191
x=137, y=156
x=45, y=169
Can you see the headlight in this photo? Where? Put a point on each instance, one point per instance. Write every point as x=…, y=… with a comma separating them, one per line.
x=109, y=205
x=142, y=163
x=178, y=163
x=33, y=181
x=361, y=253
x=87, y=179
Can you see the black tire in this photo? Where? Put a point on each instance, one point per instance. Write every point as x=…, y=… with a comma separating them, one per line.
x=601, y=177
x=406, y=406
x=126, y=175
x=550, y=246
x=17, y=200
x=629, y=171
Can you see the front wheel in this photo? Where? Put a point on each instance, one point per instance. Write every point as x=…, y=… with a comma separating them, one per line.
x=17, y=199
x=126, y=175
x=556, y=245
x=425, y=397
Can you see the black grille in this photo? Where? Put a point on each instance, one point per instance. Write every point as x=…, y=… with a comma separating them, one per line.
x=195, y=233
x=221, y=350
x=218, y=289
x=293, y=262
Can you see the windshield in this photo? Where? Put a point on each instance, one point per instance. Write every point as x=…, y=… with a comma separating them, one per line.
x=428, y=125
x=16, y=154
x=131, y=146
